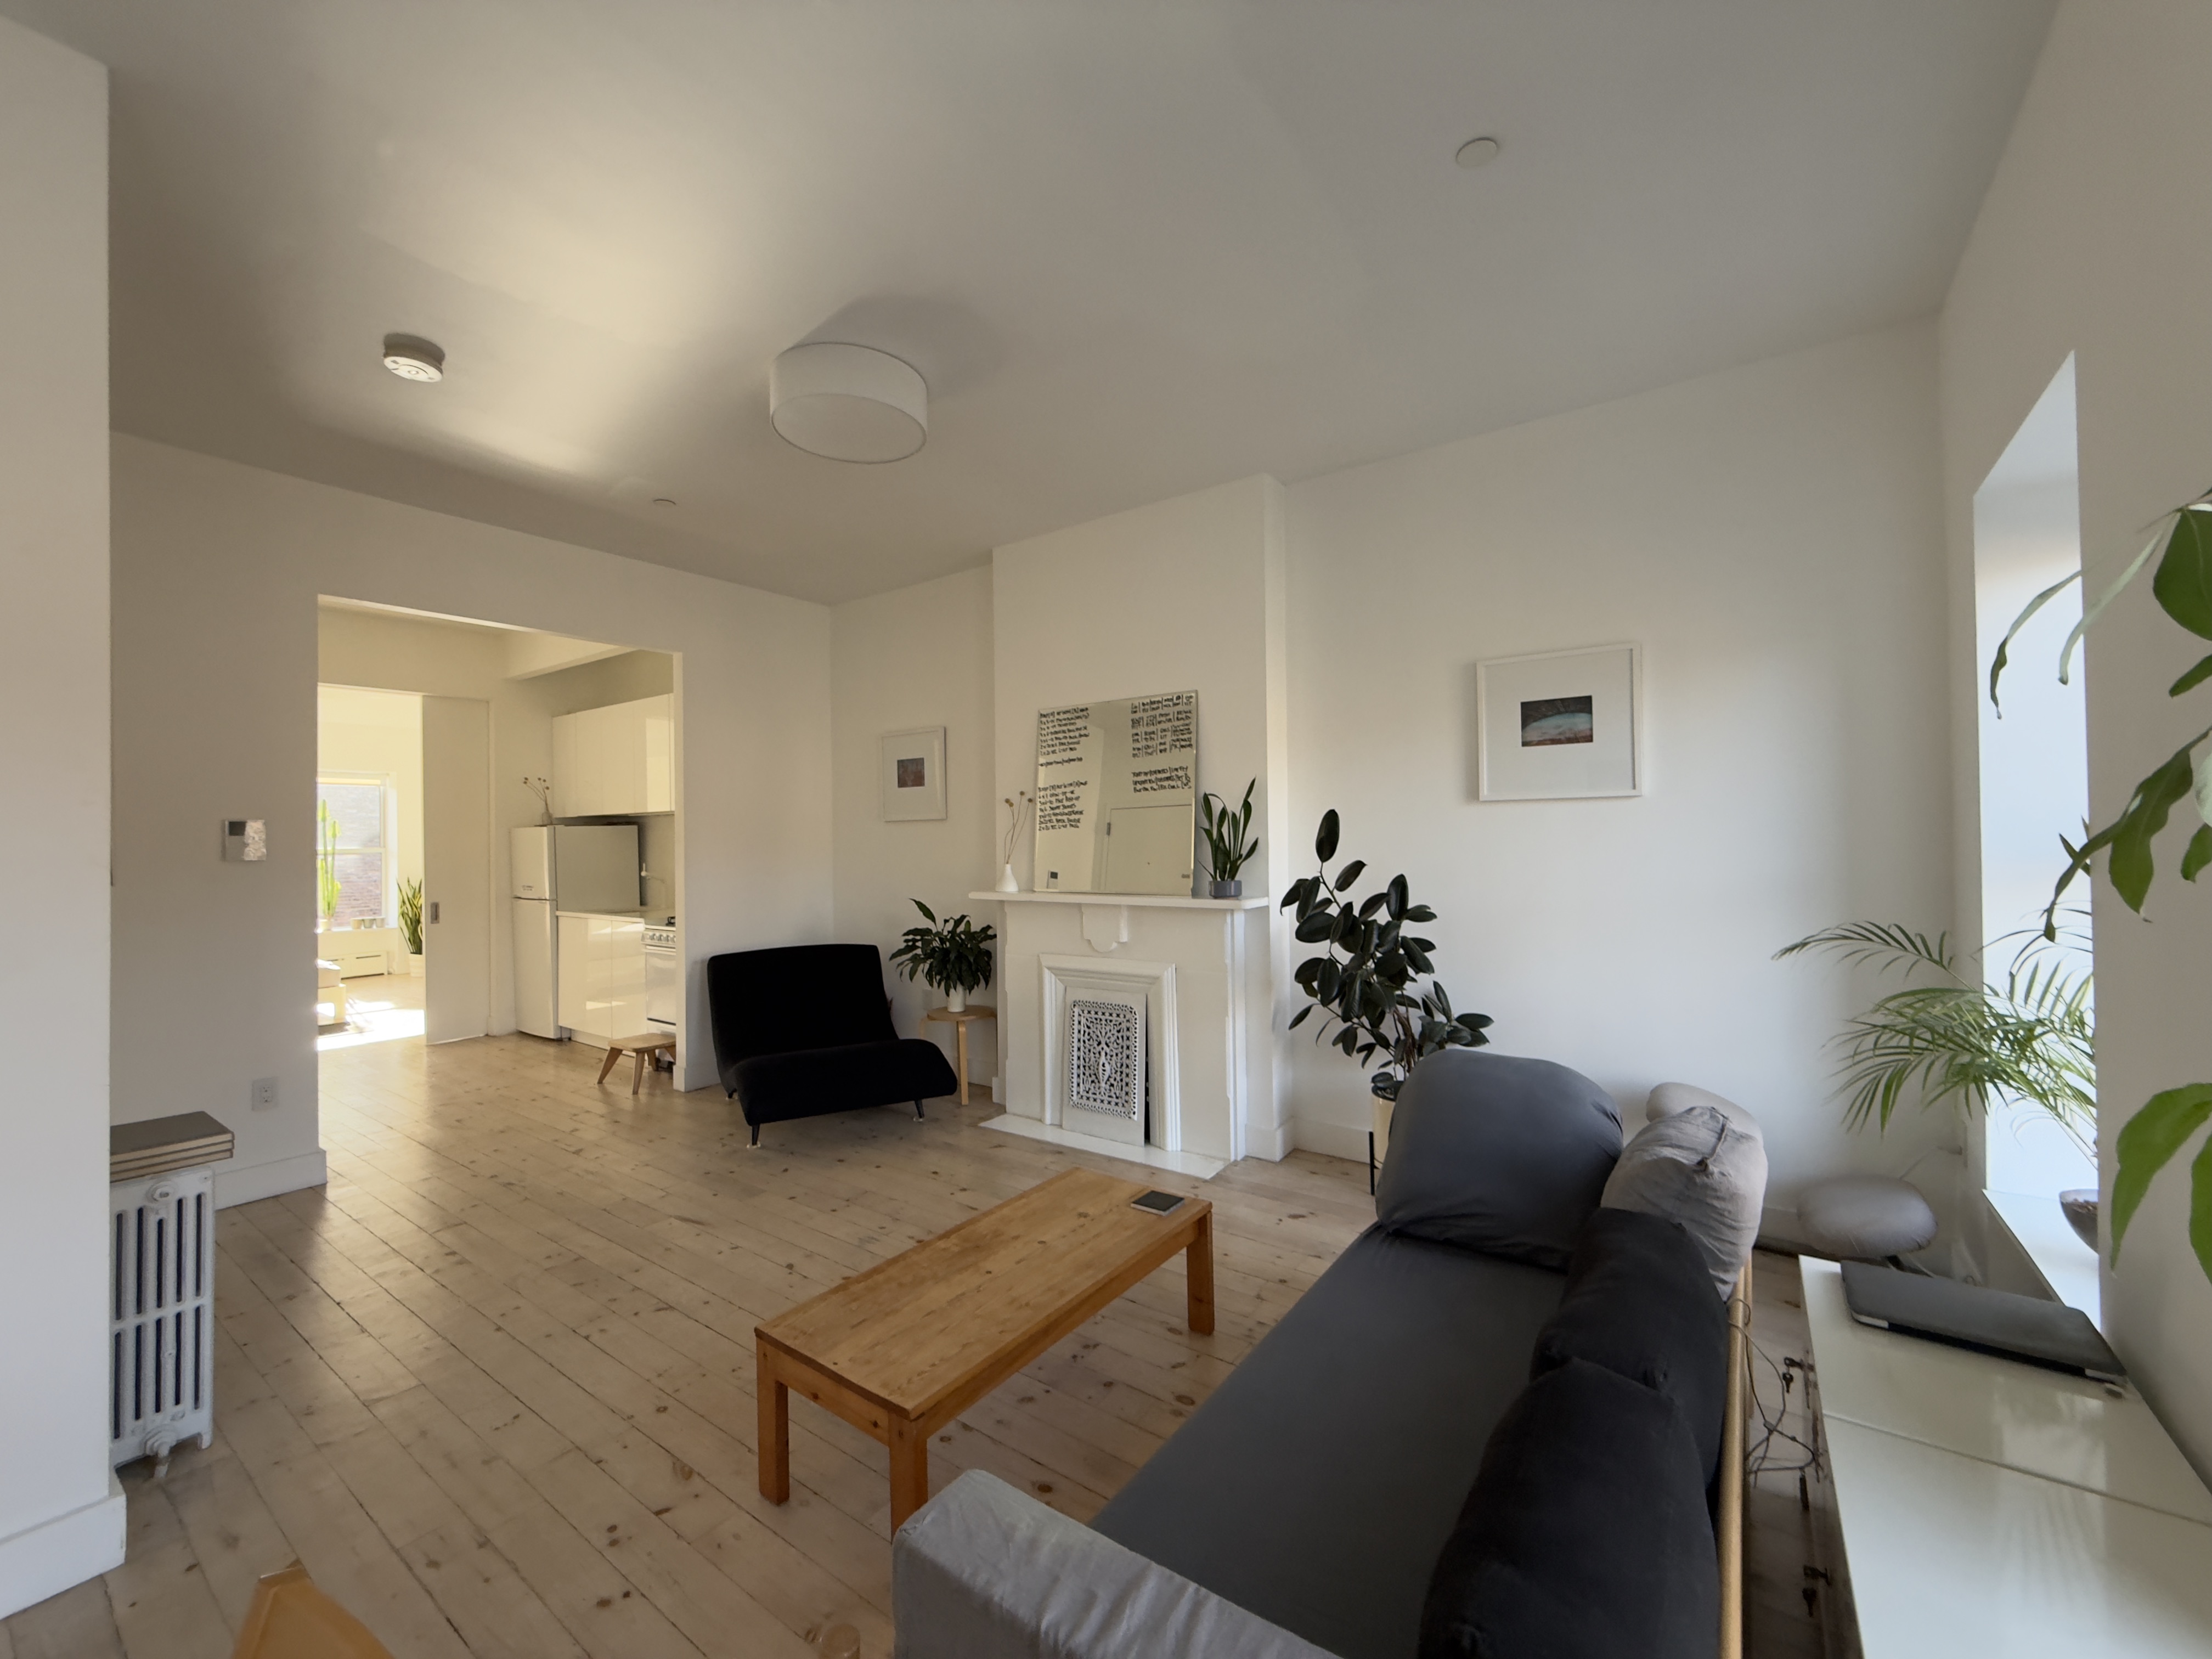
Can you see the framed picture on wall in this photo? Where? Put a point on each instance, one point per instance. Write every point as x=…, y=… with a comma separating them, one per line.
x=1559, y=725
x=914, y=773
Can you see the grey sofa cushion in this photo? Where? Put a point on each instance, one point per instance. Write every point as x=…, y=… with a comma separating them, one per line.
x=1317, y=1484
x=1667, y=1098
x=1639, y=1302
x=1584, y=1537
x=1706, y=1170
x=983, y=1571
x=1499, y=1154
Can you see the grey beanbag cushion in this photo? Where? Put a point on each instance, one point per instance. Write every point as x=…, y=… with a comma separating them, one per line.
x=1497, y=1153
x=1706, y=1170
x=1865, y=1217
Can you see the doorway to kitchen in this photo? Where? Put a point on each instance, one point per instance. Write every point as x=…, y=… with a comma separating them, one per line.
x=497, y=814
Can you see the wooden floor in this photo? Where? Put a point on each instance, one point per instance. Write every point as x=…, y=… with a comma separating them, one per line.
x=494, y=1385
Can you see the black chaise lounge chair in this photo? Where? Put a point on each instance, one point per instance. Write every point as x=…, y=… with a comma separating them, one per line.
x=806, y=1030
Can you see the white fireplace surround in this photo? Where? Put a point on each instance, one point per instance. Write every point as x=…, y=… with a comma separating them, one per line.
x=1204, y=970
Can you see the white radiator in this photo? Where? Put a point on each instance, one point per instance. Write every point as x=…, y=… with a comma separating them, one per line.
x=162, y=1301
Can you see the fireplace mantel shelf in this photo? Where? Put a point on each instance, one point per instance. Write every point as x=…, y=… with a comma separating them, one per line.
x=1131, y=901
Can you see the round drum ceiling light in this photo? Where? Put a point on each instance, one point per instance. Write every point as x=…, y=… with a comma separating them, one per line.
x=411, y=359
x=848, y=403
x=1477, y=152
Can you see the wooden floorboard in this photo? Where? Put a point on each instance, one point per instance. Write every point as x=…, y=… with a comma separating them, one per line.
x=494, y=1384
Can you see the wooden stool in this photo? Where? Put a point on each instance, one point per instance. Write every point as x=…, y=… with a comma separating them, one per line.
x=960, y=1020
x=639, y=1046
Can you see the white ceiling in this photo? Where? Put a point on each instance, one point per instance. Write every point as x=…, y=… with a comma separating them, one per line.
x=1136, y=249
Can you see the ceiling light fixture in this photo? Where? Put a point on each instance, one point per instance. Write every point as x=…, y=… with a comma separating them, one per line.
x=849, y=403
x=413, y=359
x=1475, y=152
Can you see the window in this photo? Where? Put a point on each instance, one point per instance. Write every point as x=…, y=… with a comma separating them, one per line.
x=353, y=861
x=2034, y=782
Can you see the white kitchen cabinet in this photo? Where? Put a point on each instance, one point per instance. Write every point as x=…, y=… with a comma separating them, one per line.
x=616, y=761
x=572, y=996
x=660, y=754
x=602, y=977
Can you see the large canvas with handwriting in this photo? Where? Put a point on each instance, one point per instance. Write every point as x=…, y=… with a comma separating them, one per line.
x=1117, y=795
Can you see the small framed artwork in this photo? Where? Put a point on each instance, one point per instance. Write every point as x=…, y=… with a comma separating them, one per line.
x=914, y=773
x=1561, y=726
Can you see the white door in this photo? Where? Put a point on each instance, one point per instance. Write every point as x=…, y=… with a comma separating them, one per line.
x=456, y=868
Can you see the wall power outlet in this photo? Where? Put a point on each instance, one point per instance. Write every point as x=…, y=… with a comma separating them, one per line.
x=265, y=1094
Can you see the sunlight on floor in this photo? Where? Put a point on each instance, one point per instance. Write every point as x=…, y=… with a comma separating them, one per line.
x=381, y=1008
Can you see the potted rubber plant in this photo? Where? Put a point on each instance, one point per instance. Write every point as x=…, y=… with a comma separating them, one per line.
x=953, y=956
x=1228, y=844
x=1367, y=981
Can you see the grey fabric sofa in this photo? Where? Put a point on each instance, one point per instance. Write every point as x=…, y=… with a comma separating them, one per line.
x=1301, y=1511
x=1313, y=1489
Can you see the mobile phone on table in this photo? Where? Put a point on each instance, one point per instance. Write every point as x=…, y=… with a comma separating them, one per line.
x=1157, y=1202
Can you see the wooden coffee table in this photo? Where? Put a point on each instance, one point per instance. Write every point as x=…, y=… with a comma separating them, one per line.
x=905, y=1347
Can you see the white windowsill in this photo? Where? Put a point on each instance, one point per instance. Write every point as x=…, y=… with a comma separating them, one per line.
x=2068, y=1266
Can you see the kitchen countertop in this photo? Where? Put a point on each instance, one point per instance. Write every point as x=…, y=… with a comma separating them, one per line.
x=650, y=918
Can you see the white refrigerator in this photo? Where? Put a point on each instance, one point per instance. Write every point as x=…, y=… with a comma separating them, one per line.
x=562, y=866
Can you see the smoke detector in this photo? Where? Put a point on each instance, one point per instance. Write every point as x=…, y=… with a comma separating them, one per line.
x=411, y=359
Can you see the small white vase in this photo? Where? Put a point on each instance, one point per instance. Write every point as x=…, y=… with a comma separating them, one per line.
x=955, y=1001
x=1006, y=882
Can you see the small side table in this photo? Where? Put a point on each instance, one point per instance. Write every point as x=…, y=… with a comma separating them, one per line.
x=960, y=1020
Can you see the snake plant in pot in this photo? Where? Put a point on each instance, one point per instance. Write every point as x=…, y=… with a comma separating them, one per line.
x=1367, y=983
x=1229, y=843
x=953, y=955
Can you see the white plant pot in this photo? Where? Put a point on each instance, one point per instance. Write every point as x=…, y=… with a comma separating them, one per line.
x=415, y=963
x=955, y=1001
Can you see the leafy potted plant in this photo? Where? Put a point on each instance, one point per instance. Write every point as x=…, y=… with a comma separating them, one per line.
x=2166, y=1123
x=1227, y=847
x=953, y=955
x=410, y=923
x=2031, y=1041
x=1367, y=982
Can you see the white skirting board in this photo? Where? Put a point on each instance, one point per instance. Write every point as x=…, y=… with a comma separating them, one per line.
x=284, y=1175
x=58, y=1554
x=1189, y=1164
x=1345, y=1140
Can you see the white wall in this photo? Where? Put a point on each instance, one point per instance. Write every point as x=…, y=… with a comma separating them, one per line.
x=1183, y=594
x=217, y=567
x=1771, y=537
x=2096, y=239
x=61, y=1513
x=920, y=656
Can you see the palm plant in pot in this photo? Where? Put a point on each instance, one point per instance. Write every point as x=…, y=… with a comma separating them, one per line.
x=2030, y=1039
x=1229, y=843
x=953, y=956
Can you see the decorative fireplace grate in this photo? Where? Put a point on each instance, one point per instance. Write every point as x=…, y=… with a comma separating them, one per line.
x=1106, y=1056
